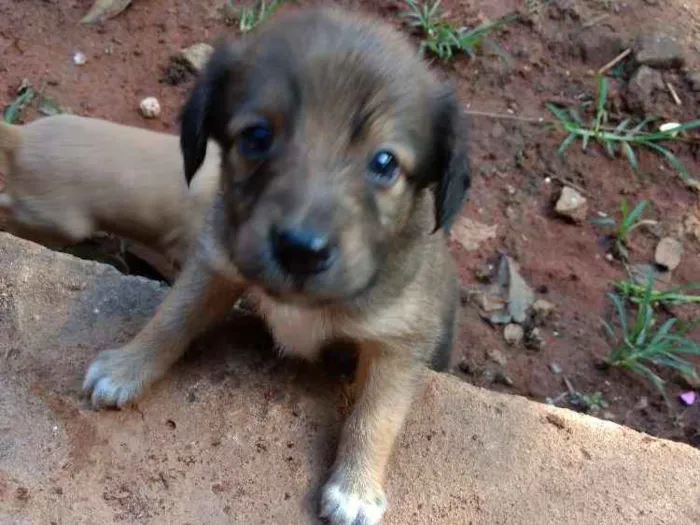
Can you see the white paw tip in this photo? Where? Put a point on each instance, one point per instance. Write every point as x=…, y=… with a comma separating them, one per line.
x=342, y=508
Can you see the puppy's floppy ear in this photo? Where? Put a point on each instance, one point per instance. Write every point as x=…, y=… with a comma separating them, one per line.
x=452, y=167
x=205, y=105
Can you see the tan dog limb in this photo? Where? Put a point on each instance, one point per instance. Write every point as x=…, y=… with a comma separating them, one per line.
x=200, y=297
x=68, y=177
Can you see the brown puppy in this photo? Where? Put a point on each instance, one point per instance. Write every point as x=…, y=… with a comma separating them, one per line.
x=69, y=177
x=343, y=163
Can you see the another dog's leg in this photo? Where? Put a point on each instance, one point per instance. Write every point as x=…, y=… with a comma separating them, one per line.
x=200, y=298
x=387, y=377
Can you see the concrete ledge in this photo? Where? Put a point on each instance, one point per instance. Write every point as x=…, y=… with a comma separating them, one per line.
x=235, y=436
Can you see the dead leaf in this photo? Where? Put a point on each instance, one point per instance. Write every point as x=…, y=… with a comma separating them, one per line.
x=103, y=10
x=471, y=234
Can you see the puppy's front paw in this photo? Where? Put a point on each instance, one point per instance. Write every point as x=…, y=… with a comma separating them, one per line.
x=343, y=505
x=116, y=378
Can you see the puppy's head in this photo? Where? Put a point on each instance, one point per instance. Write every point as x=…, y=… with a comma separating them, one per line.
x=332, y=131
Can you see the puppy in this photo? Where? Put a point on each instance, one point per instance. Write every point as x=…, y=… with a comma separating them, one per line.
x=69, y=177
x=343, y=163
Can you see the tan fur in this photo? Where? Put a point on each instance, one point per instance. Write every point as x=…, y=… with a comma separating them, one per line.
x=393, y=288
x=69, y=177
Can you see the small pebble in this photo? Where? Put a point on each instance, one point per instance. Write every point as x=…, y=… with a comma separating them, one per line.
x=513, y=334
x=571, y=205
x=555, y=368
x=150, y=107
x=688, y=398
x=542, y=308
x=668, y=253
x=497, y=357
x=79, y=59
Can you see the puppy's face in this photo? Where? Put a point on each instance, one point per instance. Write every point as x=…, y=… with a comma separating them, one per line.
x=331, y=129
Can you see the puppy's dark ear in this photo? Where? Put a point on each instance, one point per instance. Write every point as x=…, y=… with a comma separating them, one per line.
x=197, y=119
x=194, y=130
x=452, y=169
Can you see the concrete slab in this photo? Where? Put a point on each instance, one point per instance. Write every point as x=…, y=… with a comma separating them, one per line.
x=237, y=436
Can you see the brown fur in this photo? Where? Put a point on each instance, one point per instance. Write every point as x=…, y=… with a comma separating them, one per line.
x=335, y=88
x=69, y=177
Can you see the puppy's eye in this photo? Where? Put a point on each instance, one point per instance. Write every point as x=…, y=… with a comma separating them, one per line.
x=384, y=168
x=255, y=141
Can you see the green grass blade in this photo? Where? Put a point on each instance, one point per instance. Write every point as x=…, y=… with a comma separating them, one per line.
x=631, y=157
x=603, y=221
x=662, y=332
x=12, y=112
x=558, y=112
x=636, y=212
x=671, y=158
x=609, y=149
x=565, y=144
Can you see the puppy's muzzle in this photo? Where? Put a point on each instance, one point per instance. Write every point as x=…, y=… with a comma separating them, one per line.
x=302, y=251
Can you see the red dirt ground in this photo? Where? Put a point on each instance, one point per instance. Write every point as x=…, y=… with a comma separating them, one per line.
x=565, y=263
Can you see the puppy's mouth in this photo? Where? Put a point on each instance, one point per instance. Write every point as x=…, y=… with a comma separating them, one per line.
x=302, y=294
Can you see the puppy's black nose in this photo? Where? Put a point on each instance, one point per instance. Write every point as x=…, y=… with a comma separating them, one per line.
x=302, y=251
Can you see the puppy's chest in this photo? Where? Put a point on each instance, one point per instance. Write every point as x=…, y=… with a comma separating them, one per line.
x=297, y=330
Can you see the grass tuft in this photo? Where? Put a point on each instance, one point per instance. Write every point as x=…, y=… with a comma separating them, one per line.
x=14, y=110
x=641, y=344
x=442, y=39
x=625, y=136
x=629, y=221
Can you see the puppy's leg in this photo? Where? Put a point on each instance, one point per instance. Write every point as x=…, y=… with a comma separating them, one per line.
x=200, y=298
x=387, y=377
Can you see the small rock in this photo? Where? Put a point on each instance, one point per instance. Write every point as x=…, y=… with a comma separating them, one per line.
x=196, y=56
x=79, y=58
x=599, y=45
x=659, y=51
x=641, y=87
x=534, y=340
x=555, y=368
x=694, y=80
x=502, y=378
x=642, y=404
x=150, y=107
x=497, y=356
x=668, y=253
x=541, y=309
x=103, y=10
x=513, y=334
x=688, y=398
x=571, y=205
x=542, y=306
